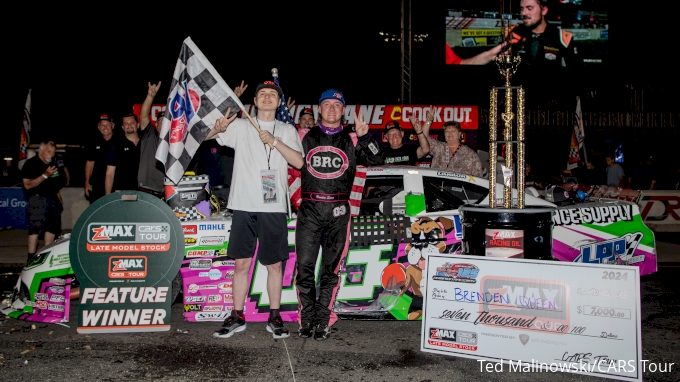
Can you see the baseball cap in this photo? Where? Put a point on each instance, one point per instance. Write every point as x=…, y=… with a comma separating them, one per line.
x=392, y=125
x=332, y=94
x=105, y=117
x=268, y=85
x=306, y=110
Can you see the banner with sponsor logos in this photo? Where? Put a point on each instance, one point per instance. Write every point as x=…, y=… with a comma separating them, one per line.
x=577, y=318
x=604, y=232
x=377, y=116
x=126, y=249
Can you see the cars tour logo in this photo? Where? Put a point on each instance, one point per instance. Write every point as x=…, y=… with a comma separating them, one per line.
x=327, y=162
x=460, y=272
x=127, y=266
x=183, y=108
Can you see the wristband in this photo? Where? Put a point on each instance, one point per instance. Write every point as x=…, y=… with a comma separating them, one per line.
x=44, y=176
x=419, y=133
x=430, y=122
x=276, y=140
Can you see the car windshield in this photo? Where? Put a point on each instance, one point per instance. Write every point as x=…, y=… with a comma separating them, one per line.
x=443, y=194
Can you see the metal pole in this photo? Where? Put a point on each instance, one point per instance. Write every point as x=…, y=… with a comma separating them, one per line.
x=520, y=148
x=403, y=41
x=493, y=136
x=410, y=42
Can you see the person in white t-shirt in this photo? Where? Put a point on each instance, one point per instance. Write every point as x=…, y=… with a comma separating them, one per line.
x=260, y=170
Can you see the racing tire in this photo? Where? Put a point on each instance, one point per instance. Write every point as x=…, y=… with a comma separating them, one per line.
x=176, y=287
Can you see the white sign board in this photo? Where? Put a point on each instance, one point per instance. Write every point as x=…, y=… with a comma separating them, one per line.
x=531, y=315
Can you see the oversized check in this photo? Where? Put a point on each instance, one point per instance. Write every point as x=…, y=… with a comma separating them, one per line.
x=532, y=315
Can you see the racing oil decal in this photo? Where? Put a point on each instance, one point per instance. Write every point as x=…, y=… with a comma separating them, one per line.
x=504, y=243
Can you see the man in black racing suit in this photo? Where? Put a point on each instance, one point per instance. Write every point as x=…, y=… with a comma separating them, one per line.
x=540, y=44
x=332, y=154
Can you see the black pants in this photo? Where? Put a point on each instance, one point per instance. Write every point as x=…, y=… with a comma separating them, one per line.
x=320, y=225
x=44, y=215
x=96, y=193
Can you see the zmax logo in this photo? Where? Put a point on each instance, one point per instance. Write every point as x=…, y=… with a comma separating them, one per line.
x=110, y=232
x=443, y=334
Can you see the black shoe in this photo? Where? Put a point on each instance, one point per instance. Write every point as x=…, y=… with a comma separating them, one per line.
x=276, y=328
x=322, y=332
x=233, y=324
x=306, y=330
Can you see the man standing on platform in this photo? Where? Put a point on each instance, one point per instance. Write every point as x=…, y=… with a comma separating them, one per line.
x=97, y=158
x=42, y=178
x=151, y=172
x=123, y=160
x=539, y=43
x=332, y=154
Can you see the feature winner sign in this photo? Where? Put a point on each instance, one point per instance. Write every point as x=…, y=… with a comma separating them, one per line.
x=578, y=318
x=125, y=250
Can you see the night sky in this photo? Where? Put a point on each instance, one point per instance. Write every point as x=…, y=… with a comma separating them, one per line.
x=81, y=62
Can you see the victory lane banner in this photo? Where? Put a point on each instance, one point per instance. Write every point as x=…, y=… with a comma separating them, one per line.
x=531, y=315
x=126, y=248
x=377, y=116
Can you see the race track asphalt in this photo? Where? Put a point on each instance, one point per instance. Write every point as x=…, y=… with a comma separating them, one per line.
x=356, y=351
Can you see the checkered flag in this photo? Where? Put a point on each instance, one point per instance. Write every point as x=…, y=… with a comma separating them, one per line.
x=574, y=155
x=577, y=139
x=198, y=97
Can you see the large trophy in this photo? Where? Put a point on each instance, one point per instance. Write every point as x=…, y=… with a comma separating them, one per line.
x=507, y=64
x=506, y=228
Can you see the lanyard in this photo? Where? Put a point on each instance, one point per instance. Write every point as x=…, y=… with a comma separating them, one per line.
x=269, y=155
x=450, y=155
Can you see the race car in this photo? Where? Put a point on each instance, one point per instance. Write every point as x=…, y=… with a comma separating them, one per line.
x=406, y=213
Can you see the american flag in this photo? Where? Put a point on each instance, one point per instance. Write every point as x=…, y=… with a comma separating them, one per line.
x=198, y=97
x=283, y=114
x=25, y=132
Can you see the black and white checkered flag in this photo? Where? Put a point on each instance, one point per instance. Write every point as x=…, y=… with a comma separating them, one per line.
x=198, y=97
